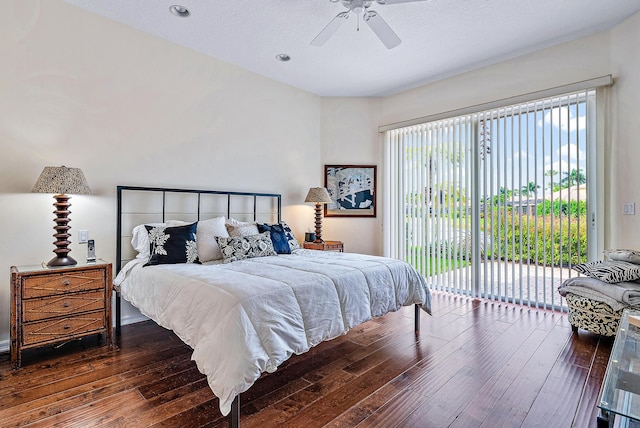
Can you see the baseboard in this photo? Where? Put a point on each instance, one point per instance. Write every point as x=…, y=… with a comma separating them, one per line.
x=129, y=319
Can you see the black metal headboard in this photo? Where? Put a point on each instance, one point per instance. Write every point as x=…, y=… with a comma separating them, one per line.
x=138, y=205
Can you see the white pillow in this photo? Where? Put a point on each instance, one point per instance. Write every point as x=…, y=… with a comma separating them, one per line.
x=206, y=232
x=140, y=240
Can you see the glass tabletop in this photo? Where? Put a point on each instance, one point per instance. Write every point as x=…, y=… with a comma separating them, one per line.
x=620, y=393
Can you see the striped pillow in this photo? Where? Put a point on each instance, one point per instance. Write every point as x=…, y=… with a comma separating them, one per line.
x=610, y=271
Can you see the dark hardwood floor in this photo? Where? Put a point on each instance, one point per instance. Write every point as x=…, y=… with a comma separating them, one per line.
x=474, y=364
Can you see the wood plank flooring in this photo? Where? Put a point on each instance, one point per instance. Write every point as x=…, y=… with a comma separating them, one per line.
x=474, y=364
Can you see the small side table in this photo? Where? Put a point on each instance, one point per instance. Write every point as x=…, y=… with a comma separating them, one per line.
x=325, y=246
x=54, y=305
x=620, y=391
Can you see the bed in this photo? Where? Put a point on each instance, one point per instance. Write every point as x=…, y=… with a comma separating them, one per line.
x=255, y=299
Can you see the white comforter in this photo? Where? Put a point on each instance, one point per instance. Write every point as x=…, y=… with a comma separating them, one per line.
x=247, y=317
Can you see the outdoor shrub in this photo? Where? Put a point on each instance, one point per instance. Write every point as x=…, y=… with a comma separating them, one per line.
x=557, y=240
x=559, y=207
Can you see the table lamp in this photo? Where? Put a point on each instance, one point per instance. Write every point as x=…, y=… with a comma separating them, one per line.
x=60, y=181
x=318, y=196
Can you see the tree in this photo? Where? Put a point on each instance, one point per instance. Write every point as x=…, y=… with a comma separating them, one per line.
x=573, y=178
x=529, y=189
x=551, y=173
x=503, y=196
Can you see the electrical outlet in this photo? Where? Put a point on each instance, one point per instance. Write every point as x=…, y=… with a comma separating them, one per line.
x=83, y=236
x=629, y=208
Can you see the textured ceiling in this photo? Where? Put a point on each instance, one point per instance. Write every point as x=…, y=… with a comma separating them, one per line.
x=440, y=38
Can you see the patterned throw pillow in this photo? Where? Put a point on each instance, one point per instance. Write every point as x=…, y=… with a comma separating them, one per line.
x=245, y=247
x=278, y=237
x=170, y=245
x=610, y=271
x=293, y=242
x=631, y=256
x=242, y=229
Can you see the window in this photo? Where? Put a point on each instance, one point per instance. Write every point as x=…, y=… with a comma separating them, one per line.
x=496, y=203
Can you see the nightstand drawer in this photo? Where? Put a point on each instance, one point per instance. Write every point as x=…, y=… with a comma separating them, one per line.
x=58, y=283
x=55, y=306
x=60, y=328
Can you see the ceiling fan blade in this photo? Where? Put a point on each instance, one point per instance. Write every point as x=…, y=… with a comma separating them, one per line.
x=330, y=29
x=396, y=1
x=382, y=29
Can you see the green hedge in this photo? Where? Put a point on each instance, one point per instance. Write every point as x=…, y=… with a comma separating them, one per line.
x=560, y=239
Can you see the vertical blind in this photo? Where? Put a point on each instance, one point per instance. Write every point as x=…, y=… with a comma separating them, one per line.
x=493, y=204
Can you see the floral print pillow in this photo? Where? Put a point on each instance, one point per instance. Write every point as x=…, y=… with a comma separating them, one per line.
x=171, y=245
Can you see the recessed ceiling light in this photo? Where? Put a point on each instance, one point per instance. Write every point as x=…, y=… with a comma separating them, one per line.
x=180, y=11
x=283, y=57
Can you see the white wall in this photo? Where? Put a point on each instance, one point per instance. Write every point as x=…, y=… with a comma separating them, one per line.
x=350, y=137
x=129, y=108
x=623, y=151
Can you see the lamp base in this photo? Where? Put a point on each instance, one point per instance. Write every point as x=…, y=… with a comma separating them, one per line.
x=62, y=261
x=318, y=211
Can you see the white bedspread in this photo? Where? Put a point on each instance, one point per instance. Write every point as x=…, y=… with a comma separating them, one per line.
x=247, y=317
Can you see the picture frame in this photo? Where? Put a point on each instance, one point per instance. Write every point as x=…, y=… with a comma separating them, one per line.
x=352, y=189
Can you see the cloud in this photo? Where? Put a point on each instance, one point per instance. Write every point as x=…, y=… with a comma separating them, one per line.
x=571, y=152
x=563, y=118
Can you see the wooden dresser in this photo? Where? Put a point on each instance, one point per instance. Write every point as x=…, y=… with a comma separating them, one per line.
x=54, y=305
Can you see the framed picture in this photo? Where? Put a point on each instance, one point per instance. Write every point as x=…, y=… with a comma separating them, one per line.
x=352, y=189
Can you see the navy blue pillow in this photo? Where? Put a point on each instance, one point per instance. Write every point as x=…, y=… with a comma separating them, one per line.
x=170, y=245
x=278, y=237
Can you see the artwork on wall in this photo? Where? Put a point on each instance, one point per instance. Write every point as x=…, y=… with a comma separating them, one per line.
x=352, y=189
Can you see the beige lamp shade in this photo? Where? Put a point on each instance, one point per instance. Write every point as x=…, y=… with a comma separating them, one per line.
x=318, y=195
x=62, y=180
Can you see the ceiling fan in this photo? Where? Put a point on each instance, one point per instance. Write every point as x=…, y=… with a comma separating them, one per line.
x=371, y=17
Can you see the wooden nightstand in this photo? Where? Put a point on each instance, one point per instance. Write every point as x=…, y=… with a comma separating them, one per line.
x=52, y=305
x=325, y=246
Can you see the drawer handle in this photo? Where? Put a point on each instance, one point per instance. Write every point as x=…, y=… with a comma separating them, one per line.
x=66, y=282
x=66, y=305
x=67, y=327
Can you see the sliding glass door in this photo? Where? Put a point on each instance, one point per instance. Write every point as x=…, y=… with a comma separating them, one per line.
x=495, y=203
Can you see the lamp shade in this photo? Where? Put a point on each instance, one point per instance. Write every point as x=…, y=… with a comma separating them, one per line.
x=318, y=195
x=62, y=180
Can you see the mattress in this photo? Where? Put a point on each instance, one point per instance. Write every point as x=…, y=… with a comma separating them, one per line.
x=247, y=317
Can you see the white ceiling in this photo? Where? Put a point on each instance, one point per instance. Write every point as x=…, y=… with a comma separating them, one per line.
x=440, y=38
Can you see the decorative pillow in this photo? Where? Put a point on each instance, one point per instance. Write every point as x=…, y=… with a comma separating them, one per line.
x=242, y=229
x=293, y=242
x=170, y=245
x=631, y=256
x=208, y=248
x=278, y=237
x=140, y=236
x=245, y=247
x=140, y=239
x=610, y=271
